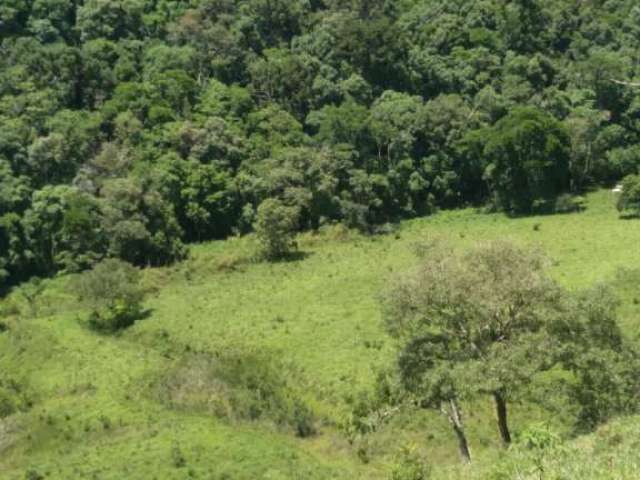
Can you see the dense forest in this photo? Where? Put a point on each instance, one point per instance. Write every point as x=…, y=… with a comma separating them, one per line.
x=129, y=128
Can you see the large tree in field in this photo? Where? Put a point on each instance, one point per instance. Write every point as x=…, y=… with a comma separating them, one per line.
x=529, y=154
x=473, y=324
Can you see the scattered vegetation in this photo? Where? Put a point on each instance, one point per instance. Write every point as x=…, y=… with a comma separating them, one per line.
x=409, y=465
x=239, y=386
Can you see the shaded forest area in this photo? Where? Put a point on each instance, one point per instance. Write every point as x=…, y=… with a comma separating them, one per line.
x=129, y=128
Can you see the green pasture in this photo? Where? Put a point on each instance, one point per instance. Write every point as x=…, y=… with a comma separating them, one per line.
x=98, y=409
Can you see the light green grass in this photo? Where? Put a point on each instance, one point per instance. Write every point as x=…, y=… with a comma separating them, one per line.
x=95, y=415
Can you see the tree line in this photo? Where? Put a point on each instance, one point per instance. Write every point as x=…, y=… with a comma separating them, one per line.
x=129, y=128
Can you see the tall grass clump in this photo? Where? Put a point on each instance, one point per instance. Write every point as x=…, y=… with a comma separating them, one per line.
x=239, y=385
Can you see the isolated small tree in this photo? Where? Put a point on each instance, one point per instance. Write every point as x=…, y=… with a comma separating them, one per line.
x=114, y=294
x=629, y=200
x=275, y=227
x=473, y=324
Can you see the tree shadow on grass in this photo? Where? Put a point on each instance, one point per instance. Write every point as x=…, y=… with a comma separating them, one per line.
x=117, y=329
x=629, y=216
x=520, y=215
x=292, y=257
x=143, y=315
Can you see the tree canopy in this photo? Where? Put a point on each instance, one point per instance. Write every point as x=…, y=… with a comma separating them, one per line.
x=489, y=322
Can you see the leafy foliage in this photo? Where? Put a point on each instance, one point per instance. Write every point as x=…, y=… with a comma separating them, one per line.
x=529, y=152
x=629, y=199
x=275, y=227
x=489, y=322
x=409, y=466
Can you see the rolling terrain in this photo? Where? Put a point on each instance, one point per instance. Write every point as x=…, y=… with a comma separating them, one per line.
x=188, y=392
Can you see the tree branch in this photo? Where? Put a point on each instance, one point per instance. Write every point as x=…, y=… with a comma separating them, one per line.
x=626, y=84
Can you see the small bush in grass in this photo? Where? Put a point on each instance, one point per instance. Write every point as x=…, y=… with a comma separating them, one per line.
x=533, y=455
x=302, y=419
x=13, y=397
x=385, y=229
x=275, y=226
x=629, y=200
x=338, y=232
x=33, y=474
x=177, y=457
x=409, y=465
x=9, y=308
x=8, y=404
x=31, y=291
x=566, y=203
x=228, y=262
x=114, y=293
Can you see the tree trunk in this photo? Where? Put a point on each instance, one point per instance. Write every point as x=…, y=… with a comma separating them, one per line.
x=455, y=418
x=501, y=413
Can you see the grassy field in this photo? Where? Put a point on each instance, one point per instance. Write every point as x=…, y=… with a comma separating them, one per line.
x=139, y=405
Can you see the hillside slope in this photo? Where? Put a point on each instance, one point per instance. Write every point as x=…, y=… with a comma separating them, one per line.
x=154, y=402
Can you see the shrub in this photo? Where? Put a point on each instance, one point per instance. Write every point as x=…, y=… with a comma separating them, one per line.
x=275, y=227
x=114, y=293
x=33, y=474
x=177, y=457
x=629, y=200
x=532, y=456
x=385, y=229
x=12, y=397
x=301, y=418
x=567, y=203
x=8, y=404
x=31, y=291
x=409, y=466
x=9, y=308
